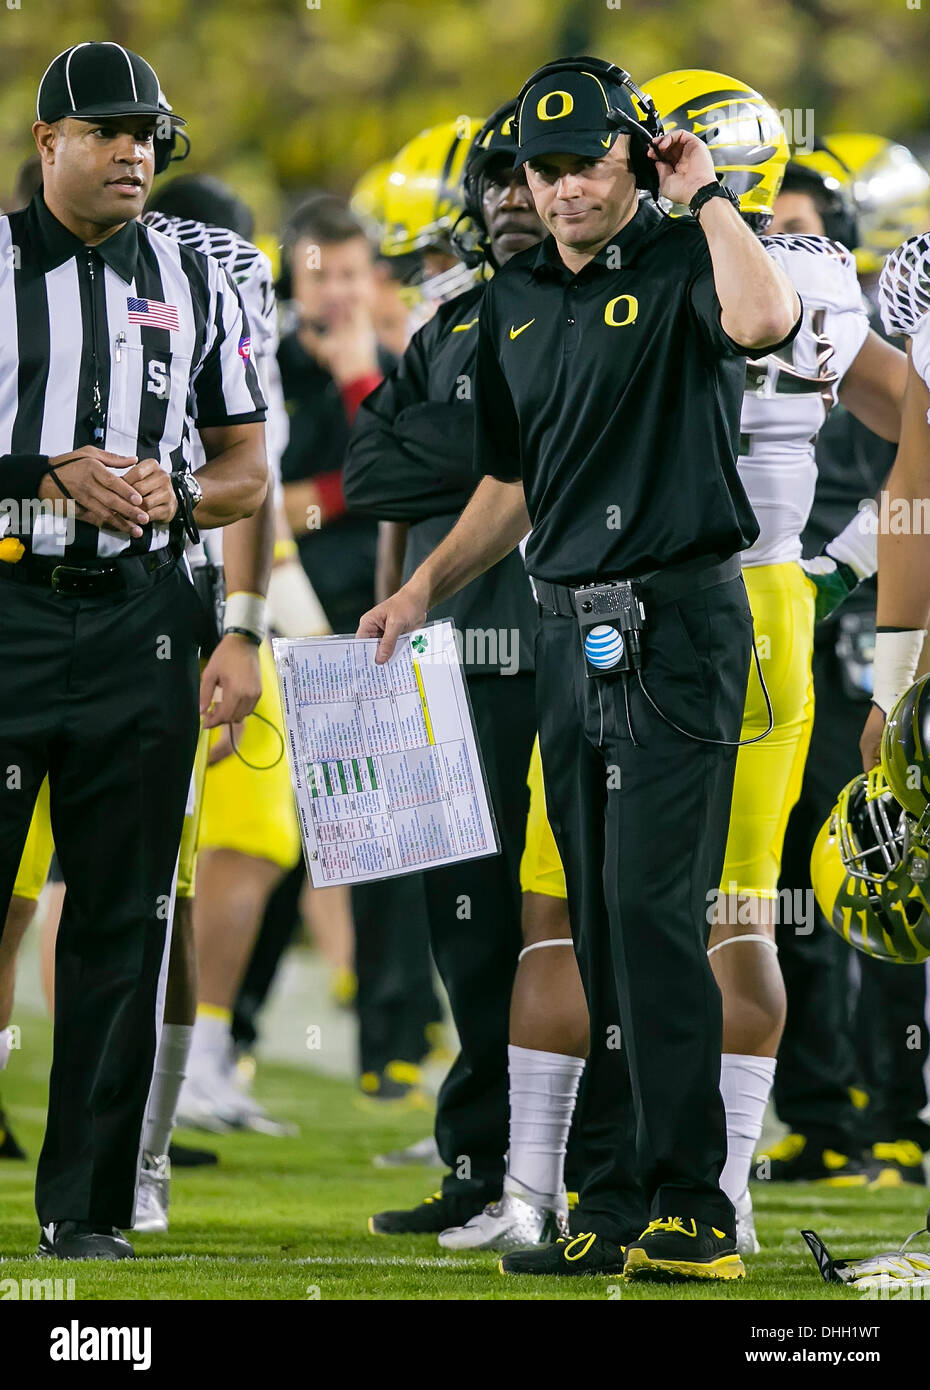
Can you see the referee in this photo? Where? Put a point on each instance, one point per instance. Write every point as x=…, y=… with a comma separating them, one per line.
x=608, y=385
x=119, y=342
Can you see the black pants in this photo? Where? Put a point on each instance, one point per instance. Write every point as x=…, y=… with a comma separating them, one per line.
x=101, y=694
x=642, y=833
x=474, y=918
x=823, y=1050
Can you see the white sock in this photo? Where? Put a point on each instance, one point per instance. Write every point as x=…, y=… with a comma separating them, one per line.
x=745, y=1084
x=211, y=1040
x=170, y=1065
x=543, y=1089
x=4, y=1047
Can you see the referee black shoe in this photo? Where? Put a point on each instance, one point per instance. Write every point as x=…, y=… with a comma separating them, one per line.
x=434, y=1214
x=584, y=1254
x=675, y=1248
x=82, y=1240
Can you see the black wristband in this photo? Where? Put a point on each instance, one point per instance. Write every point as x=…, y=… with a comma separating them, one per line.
x=244, y=632
x=708, y=191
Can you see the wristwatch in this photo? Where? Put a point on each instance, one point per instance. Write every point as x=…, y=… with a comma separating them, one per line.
x=189, y=494
x=711, y=190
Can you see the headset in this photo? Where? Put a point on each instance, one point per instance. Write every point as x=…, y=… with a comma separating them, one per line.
x=642, y=133
x=469, y=236
x=165, y=147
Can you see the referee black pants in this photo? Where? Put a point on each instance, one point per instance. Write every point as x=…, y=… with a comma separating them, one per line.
x=642, y=832
x=474, y=919
x=101, y=694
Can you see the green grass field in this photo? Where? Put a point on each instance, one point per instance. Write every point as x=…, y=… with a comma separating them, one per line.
x=286, y=1218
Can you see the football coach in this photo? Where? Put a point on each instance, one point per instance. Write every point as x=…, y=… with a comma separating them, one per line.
x=117, y=342
x=608, y=383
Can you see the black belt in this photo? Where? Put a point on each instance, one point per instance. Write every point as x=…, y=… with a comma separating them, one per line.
x=85, y=581
x=657, y=587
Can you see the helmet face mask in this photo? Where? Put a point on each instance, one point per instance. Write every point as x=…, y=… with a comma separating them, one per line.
x=891, y=192
x=870, y=869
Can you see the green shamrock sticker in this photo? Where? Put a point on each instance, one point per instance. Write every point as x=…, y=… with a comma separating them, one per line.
x=419, y=643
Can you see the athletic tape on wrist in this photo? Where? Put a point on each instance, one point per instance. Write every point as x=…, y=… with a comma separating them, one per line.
x=896, y=658
x=537, y=945
x=857, y=545
x=246, y=611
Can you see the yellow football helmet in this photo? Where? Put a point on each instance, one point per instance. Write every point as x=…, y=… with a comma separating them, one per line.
x=368, y=199
x=740, y=128
x=891, y=190
x=870, y=870
x=423, y=195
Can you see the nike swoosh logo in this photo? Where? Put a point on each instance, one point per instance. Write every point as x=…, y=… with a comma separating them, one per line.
x=464, y=327
x=607, y=143
x=515, y=332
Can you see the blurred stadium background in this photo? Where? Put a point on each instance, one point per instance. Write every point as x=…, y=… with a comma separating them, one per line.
x=284, y=95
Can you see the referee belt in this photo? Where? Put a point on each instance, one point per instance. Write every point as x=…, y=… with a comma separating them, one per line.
x=115, y=576
x=656, y=587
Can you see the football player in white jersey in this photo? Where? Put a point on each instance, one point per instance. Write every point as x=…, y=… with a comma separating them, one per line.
x=788, y=395
x=903, y=548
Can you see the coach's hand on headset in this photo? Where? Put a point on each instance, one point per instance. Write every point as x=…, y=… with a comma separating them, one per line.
x=402, y=612
x=101, y=496
x=683, y=163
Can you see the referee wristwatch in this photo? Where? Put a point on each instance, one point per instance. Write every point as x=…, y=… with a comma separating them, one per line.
x=708, y=191
x=189, y=494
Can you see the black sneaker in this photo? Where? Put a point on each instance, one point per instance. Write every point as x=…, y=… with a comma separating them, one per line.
x=678, y=1248
x=182, y=1156
x=434, y=1214
x=83, y=1240
x=895, y=1164
x=8, y=1145
x=584, y=1254
x=801, y=1158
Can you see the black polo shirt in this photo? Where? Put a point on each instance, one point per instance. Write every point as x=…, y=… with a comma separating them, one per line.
x=615, y=394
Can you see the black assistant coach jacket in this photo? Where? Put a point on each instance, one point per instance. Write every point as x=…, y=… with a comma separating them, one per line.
x=411, y=459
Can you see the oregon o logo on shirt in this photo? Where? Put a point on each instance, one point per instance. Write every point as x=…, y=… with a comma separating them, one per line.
x=542, y=106
x=632, y=309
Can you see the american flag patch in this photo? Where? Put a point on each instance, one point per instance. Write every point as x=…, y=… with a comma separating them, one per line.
x=153, y=314
x=245, y=347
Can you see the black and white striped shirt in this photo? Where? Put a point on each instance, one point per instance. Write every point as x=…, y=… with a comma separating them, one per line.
x=127, y=345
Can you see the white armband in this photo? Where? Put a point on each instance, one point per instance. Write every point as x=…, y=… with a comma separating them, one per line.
x=896, y=658
x=246, y=612
x=857, y=545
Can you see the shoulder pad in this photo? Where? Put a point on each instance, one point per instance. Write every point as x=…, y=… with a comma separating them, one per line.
x=904, y=286
x=822, y=271
x=238, y=257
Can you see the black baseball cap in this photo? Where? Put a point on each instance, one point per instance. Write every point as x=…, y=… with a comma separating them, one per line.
x=93, y=80
x=565, y=112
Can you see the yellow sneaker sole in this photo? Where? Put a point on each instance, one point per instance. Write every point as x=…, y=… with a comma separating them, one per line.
x=639, y=1266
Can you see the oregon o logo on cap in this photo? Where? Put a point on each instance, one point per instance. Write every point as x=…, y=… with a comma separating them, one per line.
x=632, y=309
x=544, y=114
